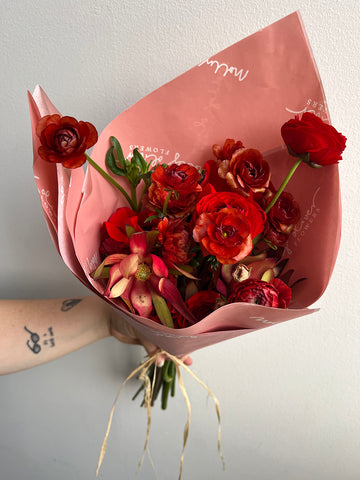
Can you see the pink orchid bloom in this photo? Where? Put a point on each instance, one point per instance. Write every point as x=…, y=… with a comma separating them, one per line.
x=139, y=276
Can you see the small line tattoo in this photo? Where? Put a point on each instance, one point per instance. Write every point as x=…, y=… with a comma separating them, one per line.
x=69, y=304
x=34, y=338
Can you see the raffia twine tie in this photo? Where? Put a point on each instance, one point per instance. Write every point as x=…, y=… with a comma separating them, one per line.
x=142, y=371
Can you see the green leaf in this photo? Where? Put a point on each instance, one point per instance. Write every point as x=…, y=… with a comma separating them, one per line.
x=110, y=162
x=140, y=161
x=162, y=309
x=118, y=151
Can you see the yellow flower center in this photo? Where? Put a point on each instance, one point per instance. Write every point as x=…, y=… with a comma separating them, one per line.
x=143, y=272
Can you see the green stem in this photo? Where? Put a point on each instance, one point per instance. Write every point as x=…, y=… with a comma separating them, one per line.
x=133, y=198
x=112, y=181
x=166, y=203
x=173, y=383
x=141, y=196
x=283, y=185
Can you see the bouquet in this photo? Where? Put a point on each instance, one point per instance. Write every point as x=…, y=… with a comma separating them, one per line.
x=189, y=220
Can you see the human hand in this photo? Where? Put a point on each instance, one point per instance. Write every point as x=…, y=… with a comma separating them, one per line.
x=124, y=332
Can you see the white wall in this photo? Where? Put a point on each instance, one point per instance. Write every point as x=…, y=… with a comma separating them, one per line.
x=289, y=394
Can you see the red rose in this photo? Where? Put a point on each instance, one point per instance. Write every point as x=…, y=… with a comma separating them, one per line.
x=276, y=294
x=175, y=239
x=309, y=134
x=226, y=152
x=64, y=140
x=182, y=180
x=225, y=224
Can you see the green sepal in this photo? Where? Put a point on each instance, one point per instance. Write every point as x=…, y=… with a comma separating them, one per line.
x=129, y=230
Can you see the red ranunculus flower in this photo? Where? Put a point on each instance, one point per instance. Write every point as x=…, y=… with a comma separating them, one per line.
x=175, y=238
x=202, y=303
x=276, y=294
x=247, y=171
x=274, y=236
x=116, y=239
x=64, y=140
x=211, y=170
x=226, y=152
x=180, y=179
x=183, y=178
x=225, y=224
x=285, y=213
x=309, y=134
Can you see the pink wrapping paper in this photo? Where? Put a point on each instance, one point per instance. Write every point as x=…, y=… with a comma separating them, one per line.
x=245, y=92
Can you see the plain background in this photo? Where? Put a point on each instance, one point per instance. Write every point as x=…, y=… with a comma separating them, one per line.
x=289, y=395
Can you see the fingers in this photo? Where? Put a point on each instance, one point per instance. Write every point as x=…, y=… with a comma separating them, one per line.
x=187, y=360
x=125, y=333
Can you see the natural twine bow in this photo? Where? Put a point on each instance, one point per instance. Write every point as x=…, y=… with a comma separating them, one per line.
x=142, y=370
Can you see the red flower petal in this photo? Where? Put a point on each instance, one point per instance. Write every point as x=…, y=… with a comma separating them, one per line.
x=138, y=244
x=159, y=267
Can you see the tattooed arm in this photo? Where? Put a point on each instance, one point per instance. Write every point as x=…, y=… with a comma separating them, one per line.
x=33, y=332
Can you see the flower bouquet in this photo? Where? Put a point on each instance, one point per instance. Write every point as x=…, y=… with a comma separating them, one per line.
x=188, y=219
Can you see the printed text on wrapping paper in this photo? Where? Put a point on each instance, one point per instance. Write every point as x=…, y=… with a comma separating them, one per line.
x=226, y=69
x=305, y=224
x=154, y=154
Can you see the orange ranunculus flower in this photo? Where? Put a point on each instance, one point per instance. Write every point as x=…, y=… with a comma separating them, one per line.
x=227, y=151
x=225, y=225
x=64, y=140
x=247, y=171
x=175, y=238
x=182, y=180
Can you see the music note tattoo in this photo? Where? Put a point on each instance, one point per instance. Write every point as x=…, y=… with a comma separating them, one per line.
x=34, y=338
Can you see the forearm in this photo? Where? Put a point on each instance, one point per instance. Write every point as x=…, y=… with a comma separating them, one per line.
x=33, y=332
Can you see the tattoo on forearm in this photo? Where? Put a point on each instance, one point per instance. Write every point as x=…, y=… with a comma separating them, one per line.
x=69, y=304
x=34, y=338
x=34, y=342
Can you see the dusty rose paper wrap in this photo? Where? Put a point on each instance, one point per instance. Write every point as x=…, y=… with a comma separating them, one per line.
x=245, y=92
